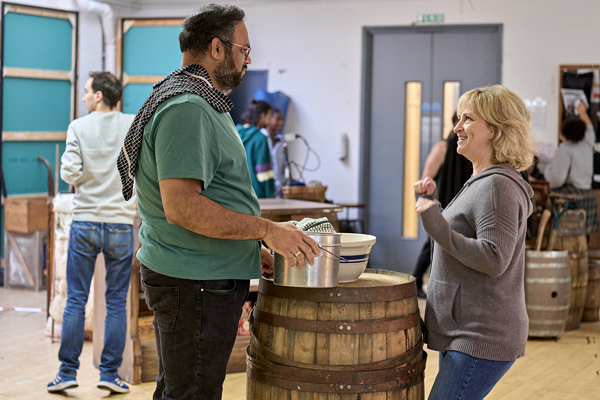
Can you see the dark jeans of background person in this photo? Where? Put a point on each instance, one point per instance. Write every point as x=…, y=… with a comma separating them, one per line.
x=86, y=241
x=422, y=265
x=195, y=324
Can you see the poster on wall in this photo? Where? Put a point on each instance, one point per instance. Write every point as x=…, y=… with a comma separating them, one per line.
x=571, y=99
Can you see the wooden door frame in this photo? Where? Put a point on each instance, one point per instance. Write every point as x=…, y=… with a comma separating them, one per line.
x=72, y=76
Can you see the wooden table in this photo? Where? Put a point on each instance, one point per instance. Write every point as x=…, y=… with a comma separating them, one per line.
x=286, y=209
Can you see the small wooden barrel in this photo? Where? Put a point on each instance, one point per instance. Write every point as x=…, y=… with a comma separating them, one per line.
x=360, y=340
x=547, y=292
x=592, y=298
x=572, y=236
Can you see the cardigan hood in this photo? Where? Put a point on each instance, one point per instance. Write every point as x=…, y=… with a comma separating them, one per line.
x=509, y=172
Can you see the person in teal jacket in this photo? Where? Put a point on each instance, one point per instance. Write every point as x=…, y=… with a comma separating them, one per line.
x=257, y=148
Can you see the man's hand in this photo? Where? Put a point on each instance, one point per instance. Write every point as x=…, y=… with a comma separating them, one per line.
x=266, y=263
x=425, y=186
x=286, y=239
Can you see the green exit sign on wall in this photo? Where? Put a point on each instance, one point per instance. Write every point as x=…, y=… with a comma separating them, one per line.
x=430, y=18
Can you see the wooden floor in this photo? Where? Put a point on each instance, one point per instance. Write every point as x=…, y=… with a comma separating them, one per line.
x=565, y=369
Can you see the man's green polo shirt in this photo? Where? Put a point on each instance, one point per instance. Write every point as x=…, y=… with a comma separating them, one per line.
x=187, y=138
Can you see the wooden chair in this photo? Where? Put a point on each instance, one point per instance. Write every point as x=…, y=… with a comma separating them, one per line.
x=542, y=190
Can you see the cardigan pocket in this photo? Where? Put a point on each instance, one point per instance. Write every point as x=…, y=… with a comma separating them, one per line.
x=446, y=305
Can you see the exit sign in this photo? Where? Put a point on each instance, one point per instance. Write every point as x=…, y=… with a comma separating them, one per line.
x=430, y=18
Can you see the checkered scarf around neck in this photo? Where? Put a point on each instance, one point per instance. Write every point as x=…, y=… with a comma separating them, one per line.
x=189, y=79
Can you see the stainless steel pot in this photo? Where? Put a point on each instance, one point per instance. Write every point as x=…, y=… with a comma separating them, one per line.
x=324, y=272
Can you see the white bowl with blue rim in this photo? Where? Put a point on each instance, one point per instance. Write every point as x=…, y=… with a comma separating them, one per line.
x=354, y=255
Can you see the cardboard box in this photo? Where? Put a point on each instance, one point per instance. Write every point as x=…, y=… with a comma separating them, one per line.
x=26, y=214
x=25, y=256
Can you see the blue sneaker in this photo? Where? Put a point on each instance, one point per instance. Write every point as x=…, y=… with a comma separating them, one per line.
x=113, y=383
x=61, y=383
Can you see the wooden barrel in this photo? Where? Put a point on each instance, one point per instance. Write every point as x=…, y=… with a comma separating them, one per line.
x=360, y=340
x=547, y=292
x=572, y=236
x=592, y=297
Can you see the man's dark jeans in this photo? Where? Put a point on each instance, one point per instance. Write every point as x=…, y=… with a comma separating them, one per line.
x=195, y=324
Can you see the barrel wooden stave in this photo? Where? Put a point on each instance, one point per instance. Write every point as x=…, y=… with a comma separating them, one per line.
x=332, y=349
x=592, y=300
x=547, y=292
x=572, y=236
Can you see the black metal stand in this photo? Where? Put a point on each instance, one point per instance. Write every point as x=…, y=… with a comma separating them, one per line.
x=287, y=167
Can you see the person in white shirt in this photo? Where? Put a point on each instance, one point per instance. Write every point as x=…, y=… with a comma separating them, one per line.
x=571, y=170
x=102, y=222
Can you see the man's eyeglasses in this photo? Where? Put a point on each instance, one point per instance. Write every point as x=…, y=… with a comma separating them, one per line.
x=244, y=48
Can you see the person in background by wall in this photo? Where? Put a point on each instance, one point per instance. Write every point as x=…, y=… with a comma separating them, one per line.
x=571, y=170
x=450, y=170
x=257, y=146
x=201, y=228
x=102, y=222
x=276, y=148
x=475, y=314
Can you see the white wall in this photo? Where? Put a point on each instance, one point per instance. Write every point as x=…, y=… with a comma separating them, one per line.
x=313, y=52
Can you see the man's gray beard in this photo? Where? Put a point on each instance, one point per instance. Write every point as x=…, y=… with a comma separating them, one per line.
x=226, y=76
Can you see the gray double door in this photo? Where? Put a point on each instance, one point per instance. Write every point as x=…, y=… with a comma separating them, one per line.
x=413, y=77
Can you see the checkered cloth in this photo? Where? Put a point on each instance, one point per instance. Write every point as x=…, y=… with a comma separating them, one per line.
x=314, y=225
x=189, y=79
x=588, y=204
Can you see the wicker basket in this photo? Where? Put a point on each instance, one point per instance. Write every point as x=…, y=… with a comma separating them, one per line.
x=308, y=193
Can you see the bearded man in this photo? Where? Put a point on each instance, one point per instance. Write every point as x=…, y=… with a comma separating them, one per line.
x=201, y=226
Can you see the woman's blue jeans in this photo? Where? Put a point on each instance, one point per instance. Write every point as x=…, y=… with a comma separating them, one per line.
x=86, y=241
x=462, y=377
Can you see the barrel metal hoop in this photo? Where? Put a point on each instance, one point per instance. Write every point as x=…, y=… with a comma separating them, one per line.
x=397, y=361
x=347, y=294
x=554, y=333
x=553, y=265
x=546, y=321
x=341, y=327
x=547, y=308
x=548, y=281
x=299, y=379
x=571, y=231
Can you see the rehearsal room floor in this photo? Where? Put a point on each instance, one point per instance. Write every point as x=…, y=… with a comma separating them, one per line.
x=567, y=368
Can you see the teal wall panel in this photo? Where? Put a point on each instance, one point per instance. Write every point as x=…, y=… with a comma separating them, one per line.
x=23, y=172
x=152, y=50
x=37, y=42
x=36, y=105
x=134, y=95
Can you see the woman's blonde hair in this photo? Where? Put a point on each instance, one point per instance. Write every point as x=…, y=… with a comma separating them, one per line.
x=509, y=119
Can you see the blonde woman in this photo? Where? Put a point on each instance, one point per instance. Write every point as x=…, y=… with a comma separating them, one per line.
x=475, y=314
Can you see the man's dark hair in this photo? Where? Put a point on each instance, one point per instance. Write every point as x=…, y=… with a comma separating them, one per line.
x=109, y=85
x=255, y=111
x=573, y=129
x=209, y=22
